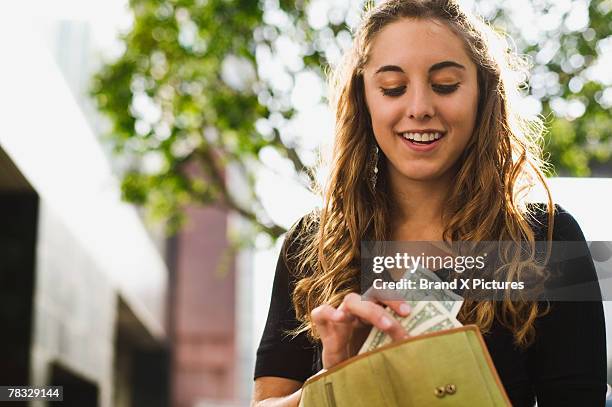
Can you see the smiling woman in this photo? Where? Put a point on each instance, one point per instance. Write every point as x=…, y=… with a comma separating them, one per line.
x=429, y=147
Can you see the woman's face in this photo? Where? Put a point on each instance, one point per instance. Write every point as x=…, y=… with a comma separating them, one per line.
x=420, y=84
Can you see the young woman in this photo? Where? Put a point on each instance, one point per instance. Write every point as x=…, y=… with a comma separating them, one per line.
x=429, y=147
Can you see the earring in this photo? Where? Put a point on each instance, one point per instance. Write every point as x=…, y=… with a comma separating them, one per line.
x=374, y=168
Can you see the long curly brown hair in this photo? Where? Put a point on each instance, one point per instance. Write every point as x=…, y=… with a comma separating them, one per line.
x=487, y=200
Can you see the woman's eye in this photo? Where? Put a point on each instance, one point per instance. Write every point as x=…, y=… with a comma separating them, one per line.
x=445, y=89
x=393, y=91
x=442, y=89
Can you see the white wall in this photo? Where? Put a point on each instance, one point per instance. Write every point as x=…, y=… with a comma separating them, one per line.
x=46, y=134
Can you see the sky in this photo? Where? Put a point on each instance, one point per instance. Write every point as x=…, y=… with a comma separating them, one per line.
x=107, y=18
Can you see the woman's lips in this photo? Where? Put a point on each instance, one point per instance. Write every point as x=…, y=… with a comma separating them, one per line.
x=422, y=147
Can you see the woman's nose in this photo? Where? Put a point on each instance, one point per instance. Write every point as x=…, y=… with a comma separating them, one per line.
x=419, y=103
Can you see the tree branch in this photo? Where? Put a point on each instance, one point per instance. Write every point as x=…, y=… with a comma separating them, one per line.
x=210, y=163
x=293, y=156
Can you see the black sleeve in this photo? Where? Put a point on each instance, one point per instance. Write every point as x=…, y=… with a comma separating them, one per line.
x=280, y=354
x=567, y=362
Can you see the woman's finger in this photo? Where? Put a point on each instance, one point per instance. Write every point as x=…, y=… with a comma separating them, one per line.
x=401, y=308
x=375, y=315
x=321, y=317
x=395, y=302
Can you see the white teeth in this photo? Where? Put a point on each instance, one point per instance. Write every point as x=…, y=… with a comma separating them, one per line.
x=422, y=136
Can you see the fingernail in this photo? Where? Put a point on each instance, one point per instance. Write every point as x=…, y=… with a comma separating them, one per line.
x=339, y=314
x=405, y=308
x=385, y=322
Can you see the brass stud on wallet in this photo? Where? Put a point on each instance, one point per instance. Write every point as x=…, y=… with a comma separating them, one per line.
x=450, y=389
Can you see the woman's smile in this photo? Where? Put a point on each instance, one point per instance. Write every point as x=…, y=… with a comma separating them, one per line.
x=422, y=141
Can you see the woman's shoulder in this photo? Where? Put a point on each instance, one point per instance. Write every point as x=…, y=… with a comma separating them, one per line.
x=301, y=231
x=297, y=239
x=565, y=226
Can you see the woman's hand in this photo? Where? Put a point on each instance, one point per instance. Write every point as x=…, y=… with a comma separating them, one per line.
x=343, y=330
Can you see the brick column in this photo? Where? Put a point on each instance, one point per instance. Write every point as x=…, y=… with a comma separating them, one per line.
x=203, y=313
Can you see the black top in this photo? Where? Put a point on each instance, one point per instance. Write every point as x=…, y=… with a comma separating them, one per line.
x=565, y=366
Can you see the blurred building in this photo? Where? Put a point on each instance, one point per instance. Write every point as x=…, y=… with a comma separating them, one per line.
x=90, y=298
x=84, y=286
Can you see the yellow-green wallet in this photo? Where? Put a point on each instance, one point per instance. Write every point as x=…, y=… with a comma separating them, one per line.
x=445, y=368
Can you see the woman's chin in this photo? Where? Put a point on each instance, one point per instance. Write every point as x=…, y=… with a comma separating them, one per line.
x=421, y=174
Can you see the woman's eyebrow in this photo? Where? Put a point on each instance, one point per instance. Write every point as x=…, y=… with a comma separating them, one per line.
x=445, y=64
x=389, y=68
x=434, y=67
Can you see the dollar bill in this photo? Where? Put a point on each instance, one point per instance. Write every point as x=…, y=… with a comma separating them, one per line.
x=423, y=312
x=427, y=315
x=432, y=310
x=437, y=324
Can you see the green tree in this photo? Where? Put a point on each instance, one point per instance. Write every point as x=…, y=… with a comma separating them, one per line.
x=189, y=101
x=565, y=78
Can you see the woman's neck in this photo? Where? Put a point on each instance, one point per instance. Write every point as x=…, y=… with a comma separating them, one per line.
x=418, y=207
